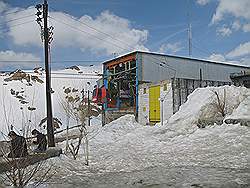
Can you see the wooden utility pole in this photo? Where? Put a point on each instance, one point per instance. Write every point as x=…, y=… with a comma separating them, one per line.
x=88, y=109
x=50, y=128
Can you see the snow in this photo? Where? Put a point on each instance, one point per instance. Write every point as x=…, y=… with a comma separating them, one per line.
x=12, y=112
x=178, y=154
x=127, y=153
x=242, y=111
x=201, y=105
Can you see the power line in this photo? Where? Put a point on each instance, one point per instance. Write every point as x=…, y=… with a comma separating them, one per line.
x=169, y=37
x=111, y=43
x=18, y=11
x=203, y=50
x=56, y=61
x=18, y=25
x=71, y=74
x=104, y=33
x=160, y=64
x=77, y=78
x=73, y=27
x=16, y=19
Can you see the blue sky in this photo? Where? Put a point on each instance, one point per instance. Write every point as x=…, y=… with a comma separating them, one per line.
x=92, y=31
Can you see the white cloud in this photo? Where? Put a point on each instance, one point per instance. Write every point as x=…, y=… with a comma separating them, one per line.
x=203, y=2
x=224, y=31
x=217, y=57
x=245, y=61
x=239, y=51
x=71, y=33
x=3, y=6
x=236, y=8
x=10, y=58
x=236, y=25
x=170, y=48
x=24, y=31
x=246, y=27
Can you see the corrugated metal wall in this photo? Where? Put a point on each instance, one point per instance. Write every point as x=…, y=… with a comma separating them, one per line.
x=181, y=88
x=155, y=68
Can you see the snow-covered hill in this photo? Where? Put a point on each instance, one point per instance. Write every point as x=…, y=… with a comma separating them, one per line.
x=22, y=95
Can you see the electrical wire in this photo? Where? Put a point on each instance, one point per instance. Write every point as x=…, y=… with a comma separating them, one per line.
x=23, y=23
x=56, y=61
x=131, y=48
x=202, y=49
x=73, y=27
x=112, y=43
x=18, y=11
x=8, y=21
x=74, y=78
x=98, y=30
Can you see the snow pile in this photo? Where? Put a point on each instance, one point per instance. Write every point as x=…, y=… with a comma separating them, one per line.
x=127, y=149
x=202, y=106
x=116, y=131
x=242, y=111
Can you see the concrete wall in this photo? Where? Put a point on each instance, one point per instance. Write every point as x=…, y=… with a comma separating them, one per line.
x=143, y=101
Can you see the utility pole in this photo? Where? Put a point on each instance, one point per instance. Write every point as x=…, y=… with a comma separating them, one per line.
x=88, y=109
x=50, y=128
x=45, y=35
x=104, y=102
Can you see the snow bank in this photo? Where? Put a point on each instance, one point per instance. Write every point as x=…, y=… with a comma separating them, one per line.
x=242, y=111
x=202, y=106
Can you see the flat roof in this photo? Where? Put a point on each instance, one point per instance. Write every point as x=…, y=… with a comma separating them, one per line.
x=180, y=57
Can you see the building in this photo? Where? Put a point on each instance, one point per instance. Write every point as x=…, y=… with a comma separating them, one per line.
x=241, y=78
x=143, y=83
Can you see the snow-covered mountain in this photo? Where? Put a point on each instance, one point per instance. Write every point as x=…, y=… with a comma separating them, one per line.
x=22, y=95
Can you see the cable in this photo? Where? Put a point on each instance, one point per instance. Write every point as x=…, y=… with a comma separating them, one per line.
x=106, y=34
x=16, y=19
x=82, y=78
x=14, y=12
x=170, y=36
x=204, y=49
x=61, y=73
x=106, y=40
x=87, y=33
x=20, y=24
x=201, y=50
x=91, y=27
x=56, y=61
x=111, y=43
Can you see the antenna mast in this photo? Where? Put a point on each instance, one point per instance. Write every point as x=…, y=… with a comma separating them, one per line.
x=189, y=31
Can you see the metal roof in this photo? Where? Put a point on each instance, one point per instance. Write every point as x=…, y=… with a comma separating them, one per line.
x=180, y=57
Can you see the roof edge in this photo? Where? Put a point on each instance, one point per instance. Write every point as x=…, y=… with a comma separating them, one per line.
x=180, y=57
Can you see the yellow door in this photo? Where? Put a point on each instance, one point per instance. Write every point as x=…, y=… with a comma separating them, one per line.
x=154, y=104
